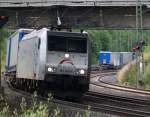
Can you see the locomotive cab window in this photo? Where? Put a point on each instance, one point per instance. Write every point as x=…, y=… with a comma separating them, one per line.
x=77, y=46
x=67, y=44
x=56, y=43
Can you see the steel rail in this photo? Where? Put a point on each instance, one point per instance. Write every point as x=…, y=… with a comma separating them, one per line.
x=113, y=97
x=111, y=109
x=102, y=73
x=117, y=87
x=123, y=88
x=124, y=112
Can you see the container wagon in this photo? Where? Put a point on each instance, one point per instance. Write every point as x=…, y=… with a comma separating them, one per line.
x=114, y=60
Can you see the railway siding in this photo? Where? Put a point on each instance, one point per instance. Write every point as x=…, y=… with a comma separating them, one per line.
x=98, y=85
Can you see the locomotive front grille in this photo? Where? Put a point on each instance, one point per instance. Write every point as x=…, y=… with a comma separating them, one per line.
x=66, y=69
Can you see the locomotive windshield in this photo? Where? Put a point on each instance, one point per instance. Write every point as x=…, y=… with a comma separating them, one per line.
x=67, y=44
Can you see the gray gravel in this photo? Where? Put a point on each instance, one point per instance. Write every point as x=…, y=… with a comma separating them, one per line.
x=109, y=79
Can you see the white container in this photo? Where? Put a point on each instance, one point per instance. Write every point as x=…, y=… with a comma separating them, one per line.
x=12, y=48
x=115, y=58
x=32, y=55
x=127, y=57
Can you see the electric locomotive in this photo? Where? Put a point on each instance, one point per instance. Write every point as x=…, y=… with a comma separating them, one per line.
x=49, y=60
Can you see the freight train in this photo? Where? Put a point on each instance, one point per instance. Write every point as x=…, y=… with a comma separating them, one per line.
x=114, y=60
x=49, y=60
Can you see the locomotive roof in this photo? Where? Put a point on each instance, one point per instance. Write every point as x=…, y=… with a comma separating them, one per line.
x=67, y=34
x=21, y=30
x=55, y=33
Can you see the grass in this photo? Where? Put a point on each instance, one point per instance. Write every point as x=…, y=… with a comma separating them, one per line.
x=131, y=77
x=146, y=75
x=128, y=76
x=35, y=108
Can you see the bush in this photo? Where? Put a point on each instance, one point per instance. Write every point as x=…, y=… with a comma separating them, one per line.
x=36, y=108
x=129, y=77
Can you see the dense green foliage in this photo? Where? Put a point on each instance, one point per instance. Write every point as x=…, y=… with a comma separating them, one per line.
x=114, y=40
x=146, y=75
x=144, y=79
x=4, y=34
x=131, y=77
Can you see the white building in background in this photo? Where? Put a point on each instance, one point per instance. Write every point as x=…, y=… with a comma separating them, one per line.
x=46, y=3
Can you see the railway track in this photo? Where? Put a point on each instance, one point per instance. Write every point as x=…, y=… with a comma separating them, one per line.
x=125, y=104
x=109, y=104
x=101, y=83
x=102, y=73
x=106, y=108
x=121, y=106
x=120, y=98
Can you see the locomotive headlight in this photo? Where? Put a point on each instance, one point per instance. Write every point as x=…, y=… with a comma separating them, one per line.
x=82, y=71
x=49, y=69
x=67, y=55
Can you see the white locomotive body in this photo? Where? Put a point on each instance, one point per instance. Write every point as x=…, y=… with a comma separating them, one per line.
x=54, y=59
